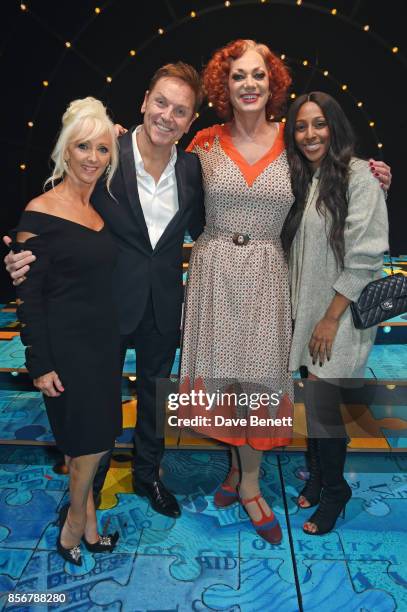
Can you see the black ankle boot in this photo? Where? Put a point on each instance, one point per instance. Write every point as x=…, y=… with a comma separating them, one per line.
x=335, y=492
x=313, y=486
x=332, y=504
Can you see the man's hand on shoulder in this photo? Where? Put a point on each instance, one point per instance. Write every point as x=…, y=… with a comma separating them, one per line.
x=119, y=130
x=17, y=264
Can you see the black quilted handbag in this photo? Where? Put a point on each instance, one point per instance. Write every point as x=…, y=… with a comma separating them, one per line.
x=380, y=300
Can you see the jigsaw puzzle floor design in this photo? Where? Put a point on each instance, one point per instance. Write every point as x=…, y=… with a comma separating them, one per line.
x=208, y=559
x=381, y=426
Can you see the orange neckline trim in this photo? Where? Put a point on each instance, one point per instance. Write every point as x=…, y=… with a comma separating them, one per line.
x=250, y=172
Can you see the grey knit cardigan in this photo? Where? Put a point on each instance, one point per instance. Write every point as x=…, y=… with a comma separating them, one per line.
x=315, y=275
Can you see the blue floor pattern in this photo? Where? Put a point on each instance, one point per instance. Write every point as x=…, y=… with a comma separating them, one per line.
x=210, y=559
x=23, y=418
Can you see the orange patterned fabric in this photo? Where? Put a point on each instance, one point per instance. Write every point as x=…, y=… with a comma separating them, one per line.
x=205, y=139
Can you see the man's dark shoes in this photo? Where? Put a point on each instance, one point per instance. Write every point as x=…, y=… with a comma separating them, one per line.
x=161, y=500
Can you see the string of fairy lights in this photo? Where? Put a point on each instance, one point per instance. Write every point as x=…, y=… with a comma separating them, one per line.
x=71, y=46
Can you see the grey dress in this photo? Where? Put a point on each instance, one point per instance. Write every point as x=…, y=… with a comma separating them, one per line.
x=315, y=276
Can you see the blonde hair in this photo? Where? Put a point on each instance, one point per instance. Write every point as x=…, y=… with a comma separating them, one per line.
x=84, y=119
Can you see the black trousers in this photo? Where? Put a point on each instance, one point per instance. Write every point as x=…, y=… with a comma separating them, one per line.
x=155, y=353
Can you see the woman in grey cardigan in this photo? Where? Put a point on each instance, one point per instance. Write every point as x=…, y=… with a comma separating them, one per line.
x=335, y=235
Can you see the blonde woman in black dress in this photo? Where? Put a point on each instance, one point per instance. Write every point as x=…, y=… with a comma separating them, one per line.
x=68, y=316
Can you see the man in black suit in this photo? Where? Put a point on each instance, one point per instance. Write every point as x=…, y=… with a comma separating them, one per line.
x=157, y=195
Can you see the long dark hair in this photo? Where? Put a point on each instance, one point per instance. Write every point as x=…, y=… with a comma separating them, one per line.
x=332, y=201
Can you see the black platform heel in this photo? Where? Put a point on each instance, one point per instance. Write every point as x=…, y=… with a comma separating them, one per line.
x=312, y=489
x=105, y=543
x=335, y=490
x=332, y=505
x=72, y=555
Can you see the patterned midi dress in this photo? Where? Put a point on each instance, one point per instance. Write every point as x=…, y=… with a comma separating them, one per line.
x=237, y=323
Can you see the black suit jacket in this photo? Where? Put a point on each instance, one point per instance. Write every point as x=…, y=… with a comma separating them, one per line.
x=140, y=268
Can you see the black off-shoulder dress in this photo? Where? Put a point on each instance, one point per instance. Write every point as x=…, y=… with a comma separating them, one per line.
x=70, y=326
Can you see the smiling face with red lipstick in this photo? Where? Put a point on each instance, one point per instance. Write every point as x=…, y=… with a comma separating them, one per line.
x=249, y=84
x=246, y=76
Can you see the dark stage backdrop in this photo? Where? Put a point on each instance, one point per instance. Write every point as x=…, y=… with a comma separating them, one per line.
x=54, y=51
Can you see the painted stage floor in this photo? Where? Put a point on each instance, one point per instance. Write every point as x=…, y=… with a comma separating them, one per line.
x=381, y=426
x=208, y=559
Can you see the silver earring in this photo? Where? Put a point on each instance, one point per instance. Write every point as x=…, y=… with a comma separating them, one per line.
x=66, y=162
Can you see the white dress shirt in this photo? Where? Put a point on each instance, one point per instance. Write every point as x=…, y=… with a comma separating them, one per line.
x=159, y=201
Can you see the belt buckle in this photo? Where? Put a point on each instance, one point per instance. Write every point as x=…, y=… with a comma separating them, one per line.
x=240, y=239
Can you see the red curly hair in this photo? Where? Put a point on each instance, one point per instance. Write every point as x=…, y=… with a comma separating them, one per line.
x=216, y=75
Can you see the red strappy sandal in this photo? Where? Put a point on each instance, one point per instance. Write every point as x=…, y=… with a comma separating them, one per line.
x=225, y=495
x=267, y=527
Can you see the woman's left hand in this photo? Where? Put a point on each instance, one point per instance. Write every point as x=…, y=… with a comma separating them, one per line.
x=323, y=336
x=382, y=172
